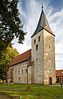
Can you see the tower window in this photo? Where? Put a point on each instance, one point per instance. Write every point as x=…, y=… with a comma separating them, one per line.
x=22, y=71
x=49, y=45
x=39, y=38
x=36, y=59
x=36, y=47
x=34, y=41
x=26, y=70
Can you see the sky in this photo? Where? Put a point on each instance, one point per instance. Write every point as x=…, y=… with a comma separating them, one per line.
x=30, y=11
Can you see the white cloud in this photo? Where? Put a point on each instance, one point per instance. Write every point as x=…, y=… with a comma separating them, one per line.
x=56, y=23
x=31, y=19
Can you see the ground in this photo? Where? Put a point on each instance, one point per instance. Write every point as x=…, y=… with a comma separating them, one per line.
x=32, y=91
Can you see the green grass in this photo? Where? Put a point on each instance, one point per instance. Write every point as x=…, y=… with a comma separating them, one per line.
x=32, y=91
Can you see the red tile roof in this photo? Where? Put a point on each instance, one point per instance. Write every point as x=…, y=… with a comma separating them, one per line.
x=21, y=58
x=59, y=73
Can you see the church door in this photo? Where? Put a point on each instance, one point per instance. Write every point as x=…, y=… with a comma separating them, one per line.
x=50, y=80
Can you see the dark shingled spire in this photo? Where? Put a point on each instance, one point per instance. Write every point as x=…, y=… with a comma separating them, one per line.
x=42, y=24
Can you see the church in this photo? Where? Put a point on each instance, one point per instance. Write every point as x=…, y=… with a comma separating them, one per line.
x=37, y=65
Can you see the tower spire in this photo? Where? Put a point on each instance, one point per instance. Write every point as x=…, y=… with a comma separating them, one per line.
x=42, y=23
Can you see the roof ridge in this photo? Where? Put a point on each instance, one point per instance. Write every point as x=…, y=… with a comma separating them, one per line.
x=23, y=53
x=21, y=57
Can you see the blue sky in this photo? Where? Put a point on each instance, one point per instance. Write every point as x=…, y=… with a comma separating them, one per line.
x=29, y=14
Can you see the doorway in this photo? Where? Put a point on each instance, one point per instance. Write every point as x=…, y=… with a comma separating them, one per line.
x=50, y=80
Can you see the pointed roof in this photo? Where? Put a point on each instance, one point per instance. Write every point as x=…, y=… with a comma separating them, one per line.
x=42, y=24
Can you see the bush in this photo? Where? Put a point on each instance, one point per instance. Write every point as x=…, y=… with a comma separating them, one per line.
x=28, y=89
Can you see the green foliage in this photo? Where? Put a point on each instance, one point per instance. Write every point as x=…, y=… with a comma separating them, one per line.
x=28, y=89
x=10, y=27
x=27, y=97
x=10, y=24
x=37, y=92
x=6, y=56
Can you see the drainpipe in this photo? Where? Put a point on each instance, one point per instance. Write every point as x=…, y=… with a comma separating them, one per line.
x=61, y=81
x=27, y=74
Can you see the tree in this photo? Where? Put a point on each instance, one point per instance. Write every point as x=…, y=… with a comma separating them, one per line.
x=10, y=24
x=7, y=55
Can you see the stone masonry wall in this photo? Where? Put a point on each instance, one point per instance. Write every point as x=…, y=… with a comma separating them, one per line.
x=37, y=57
x=19, y=74
x=49, y=58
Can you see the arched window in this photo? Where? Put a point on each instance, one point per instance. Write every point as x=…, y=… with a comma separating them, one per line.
x=39, y=39
x=36, y=47
x=22, y=71
x=34, y=41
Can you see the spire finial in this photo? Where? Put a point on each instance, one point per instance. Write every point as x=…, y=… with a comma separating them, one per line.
x=42, y=4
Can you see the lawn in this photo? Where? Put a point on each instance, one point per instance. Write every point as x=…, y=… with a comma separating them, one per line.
x=32, y=91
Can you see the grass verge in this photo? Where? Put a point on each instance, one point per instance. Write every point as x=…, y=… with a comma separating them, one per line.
x=32, y=91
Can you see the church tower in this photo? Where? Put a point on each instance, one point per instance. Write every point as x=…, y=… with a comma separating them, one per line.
x=43, y=53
